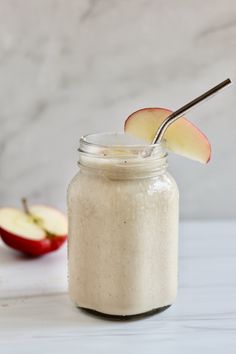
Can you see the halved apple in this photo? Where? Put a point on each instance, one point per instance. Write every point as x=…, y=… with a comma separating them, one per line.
x=40, y=230
x=182, y=137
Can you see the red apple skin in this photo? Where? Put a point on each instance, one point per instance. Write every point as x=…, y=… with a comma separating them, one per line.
x=144, y=109
x=32, y=247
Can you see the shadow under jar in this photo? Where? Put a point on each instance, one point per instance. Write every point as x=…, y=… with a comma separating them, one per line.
x=123, y=228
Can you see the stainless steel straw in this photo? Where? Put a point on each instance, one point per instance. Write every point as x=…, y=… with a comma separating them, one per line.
x=181, y=111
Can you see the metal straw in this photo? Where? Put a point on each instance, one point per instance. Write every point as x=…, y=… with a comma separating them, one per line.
x=181, y=111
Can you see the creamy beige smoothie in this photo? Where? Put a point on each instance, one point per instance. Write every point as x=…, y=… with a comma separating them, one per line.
x=123, y=228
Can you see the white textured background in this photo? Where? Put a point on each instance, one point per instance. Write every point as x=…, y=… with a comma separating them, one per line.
x=73, y=67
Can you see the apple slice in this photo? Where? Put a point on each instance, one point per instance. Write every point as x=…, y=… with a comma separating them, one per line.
x=182, y=137
x=39, y=230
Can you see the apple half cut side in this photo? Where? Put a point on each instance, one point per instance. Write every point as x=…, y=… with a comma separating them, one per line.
x=181, y=137
x=20, y=231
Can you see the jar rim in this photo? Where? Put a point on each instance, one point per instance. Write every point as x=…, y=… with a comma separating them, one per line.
x=119, y=145
x=87, y=139
x=119, y=156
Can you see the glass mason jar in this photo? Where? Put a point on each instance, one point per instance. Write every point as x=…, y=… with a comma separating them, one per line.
x=123, y=228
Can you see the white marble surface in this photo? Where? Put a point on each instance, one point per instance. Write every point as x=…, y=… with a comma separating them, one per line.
x=73, y=67
x=36, y=315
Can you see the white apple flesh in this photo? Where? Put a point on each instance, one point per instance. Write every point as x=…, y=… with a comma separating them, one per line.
x=42, y=230
x=182, y=137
